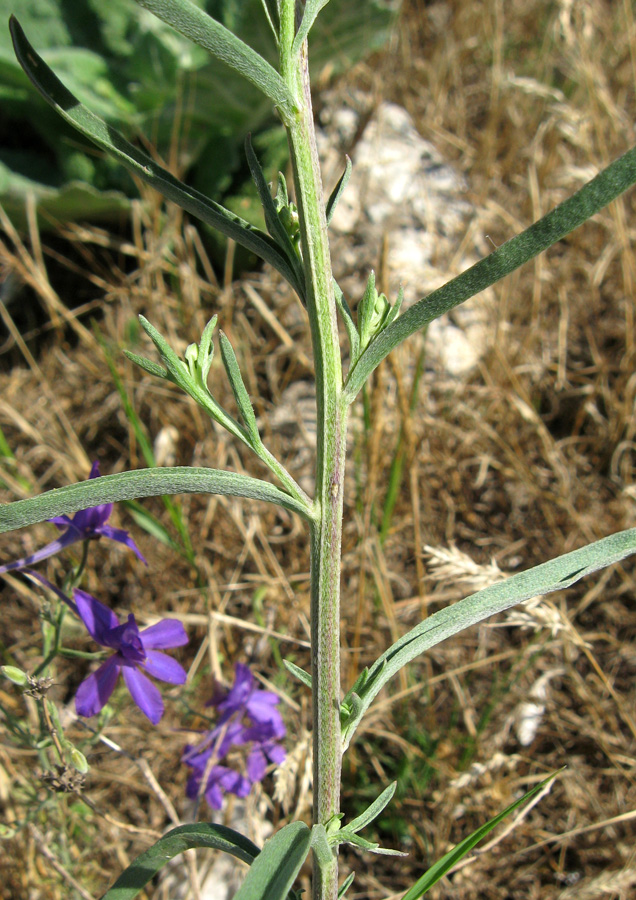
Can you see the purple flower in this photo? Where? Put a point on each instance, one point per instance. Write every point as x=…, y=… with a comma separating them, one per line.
x=244, y=698
x=135, y=651
x=248, y=716
x=220, y=780
x=86, y=525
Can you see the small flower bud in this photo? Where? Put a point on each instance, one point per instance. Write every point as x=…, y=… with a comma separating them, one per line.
x=191, y=356
x=79, y=761
x=17, y=676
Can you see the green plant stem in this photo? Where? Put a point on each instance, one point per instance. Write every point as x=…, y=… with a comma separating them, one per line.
x=331, y=410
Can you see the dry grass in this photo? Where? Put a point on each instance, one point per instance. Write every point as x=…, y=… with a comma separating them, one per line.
x=530, y=457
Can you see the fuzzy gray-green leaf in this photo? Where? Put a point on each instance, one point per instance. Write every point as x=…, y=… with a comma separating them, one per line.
x=197, y=26
x=573, y=212
x=239, y=390
x=336, y=194
x=298, y=673
x=147, y=365
x=312, y=8
x=217, y=837
x=374, y=810
x=350, y=325
x=274, y=224
x=142, y=483
x=138, y=162
x=274, y=870
x=554, y=575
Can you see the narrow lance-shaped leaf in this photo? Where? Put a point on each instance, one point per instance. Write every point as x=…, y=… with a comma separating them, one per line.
x=336, y=194
x=188, y=376
x=312, y=8
x=138, y=162
x=299, y=673
x=346, y=884
x=239, y=390
x=347, y=318
x=450, y=859
x=554, y=575
x=202, y=29
x=186, y=837
x=374, y=810
x=274, y=870
x=554, y=226
x=143, y=483
x=272, y=220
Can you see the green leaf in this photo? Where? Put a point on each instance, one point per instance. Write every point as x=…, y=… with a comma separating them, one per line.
x=274, y=870
x=272, y=220
x=554, y=575
x=350, y=325
x=152, y=368
x=349, y=837
x=320, y=846
x=337, y=191
x=346, y=884
x=300, y=674
x=138, y=162
x=185, y=837
x=205, y=31
x=373, y=811
x=143, y=483
x=312, y=8
x=554, y=226
x=442, y=866
x=189, y=379
x=239, y=390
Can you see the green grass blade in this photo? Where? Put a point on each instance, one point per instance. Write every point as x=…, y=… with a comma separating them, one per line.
x=202, y=29
x=185, y=837
x=143, y=483
x=274, y=870
x=554, y=575
x=138, y=162
x=446, y=863
x=573, y=212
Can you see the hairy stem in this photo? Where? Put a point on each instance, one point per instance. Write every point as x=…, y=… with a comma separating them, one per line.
x=326, y=530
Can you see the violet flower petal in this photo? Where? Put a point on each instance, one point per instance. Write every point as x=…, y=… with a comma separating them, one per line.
x=239, y=692
x=276, y=753
x=163, y=635
x=164, y=667
x=122, y=537
x=144, y=693
x=256, y=764
x=94, y=692
x=43, y=553
x=213, y=795
x=233, y=781
x=98, y=618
